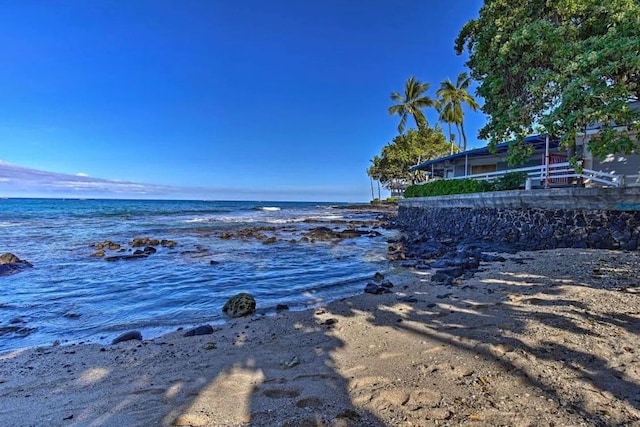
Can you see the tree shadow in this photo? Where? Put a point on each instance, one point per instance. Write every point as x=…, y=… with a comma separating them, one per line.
x=544, y=328
x=255, y=371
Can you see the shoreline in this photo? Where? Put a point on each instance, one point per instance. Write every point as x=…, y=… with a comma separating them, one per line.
x=544, y=337
x=215, y=257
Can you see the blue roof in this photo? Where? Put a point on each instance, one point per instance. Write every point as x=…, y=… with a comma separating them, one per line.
x=537, y=141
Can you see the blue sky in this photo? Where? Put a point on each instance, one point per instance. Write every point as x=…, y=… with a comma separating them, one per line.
x=247, y=99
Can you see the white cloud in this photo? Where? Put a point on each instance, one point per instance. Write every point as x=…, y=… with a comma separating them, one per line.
x=21, y=181
x=18, y=181
x=82, y=174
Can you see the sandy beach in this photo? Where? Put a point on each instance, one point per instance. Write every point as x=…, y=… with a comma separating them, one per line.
x=544, y=338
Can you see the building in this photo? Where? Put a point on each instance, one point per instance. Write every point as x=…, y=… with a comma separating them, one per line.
x=481, y=163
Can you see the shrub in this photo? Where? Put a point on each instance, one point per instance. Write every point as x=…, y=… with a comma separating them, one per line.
x=446, y=187
x=511, y=181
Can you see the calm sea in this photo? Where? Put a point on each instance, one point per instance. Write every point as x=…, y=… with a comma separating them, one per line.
x=71, y=296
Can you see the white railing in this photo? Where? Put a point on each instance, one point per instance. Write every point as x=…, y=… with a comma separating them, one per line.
x=555, y=173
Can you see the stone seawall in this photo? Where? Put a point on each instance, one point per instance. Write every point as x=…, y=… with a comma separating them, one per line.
x=466, y=218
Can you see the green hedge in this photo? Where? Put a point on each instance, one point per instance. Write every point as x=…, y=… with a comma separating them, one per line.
x=449, y=186
x=510, y=181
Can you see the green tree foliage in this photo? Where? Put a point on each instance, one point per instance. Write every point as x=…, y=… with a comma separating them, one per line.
x=557, y=66
x=452, y=97
x=411, y=103
x=406, y=150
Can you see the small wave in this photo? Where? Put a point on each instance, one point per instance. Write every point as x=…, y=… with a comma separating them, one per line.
x=326, y=217
x=197, y=220
x=221, y=219
x=269, y=208
x=9, y=224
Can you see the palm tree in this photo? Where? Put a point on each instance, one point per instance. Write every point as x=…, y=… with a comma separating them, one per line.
x=445, y=116
x=374, y=173
x=453, y=96
x=411, y=103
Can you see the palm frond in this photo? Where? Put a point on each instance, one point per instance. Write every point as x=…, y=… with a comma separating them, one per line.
x=424, y=102
x=463, y=81
x=397, y=109
x=396, y=97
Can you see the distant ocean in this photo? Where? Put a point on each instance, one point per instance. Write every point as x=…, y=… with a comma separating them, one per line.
x=71, y=296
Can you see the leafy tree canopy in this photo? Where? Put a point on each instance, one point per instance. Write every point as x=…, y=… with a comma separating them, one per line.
x=407, y=150
x=557, y=66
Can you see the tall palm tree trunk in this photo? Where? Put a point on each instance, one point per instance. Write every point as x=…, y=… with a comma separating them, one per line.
x=371, y=182
x=464, y=136
x=379, y=198
x=450, y=135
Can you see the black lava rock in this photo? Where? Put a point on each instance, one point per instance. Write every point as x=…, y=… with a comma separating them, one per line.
x=200, y=330
x=128, y=336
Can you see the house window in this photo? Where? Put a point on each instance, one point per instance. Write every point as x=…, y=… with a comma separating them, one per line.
x=478, y=169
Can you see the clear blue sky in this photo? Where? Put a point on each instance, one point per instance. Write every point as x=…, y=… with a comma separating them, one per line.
x=247, y=99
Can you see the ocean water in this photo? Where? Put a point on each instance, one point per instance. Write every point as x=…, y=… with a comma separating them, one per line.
x=71, y=296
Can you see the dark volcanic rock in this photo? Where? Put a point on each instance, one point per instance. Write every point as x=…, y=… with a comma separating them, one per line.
x=136, y=255
x=21, y=331
x=447, y=274
x=10, y=264
x=408, y=299
x=442, y=263
x=325, y=233
x=128, y=336
x=387, y=285
x=200, y=330
x=242, y=304
x=491, y=258
x=107, y=244
x=321, y=233
x=9, y=258
x=168, y=243
x=375, y=289
x=144, y=241
x=282, y=307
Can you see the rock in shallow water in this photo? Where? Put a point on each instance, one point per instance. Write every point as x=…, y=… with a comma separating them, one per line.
x=10, y=264
x=128, y=336
x=242, y=304
x=21, y=331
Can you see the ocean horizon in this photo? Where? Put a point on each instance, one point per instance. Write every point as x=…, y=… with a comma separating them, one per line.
x=222, y=248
